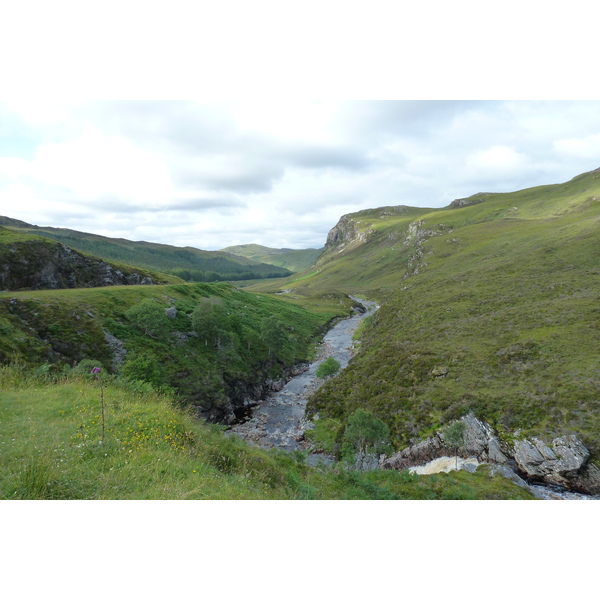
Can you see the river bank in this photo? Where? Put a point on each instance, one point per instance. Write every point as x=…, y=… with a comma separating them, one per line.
x=278, y=421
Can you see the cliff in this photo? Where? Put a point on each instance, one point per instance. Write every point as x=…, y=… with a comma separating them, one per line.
x=34, y=263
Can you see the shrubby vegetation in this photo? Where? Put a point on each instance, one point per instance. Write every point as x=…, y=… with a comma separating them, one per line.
x=217, y=343
x=330, y=366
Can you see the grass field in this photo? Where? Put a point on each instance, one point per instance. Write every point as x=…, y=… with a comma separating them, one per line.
x=51, y=448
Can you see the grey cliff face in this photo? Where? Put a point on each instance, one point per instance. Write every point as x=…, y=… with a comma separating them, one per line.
x=346, y=232
x=39, y=265
x=564, y=462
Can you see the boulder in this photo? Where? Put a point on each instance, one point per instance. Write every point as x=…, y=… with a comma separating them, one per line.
x=557, y=465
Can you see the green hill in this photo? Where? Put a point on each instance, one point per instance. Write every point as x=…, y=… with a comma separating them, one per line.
x=191, y=264
x=498, y=292
x=33, y=262
x=293, y=260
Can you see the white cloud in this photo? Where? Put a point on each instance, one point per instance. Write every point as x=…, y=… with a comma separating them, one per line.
x=583, y=147
x=276, y=172
x=497, y=160
x=94, y=165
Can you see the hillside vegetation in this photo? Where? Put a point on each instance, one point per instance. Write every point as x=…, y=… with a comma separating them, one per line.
x=214, y=344
x=293, y=260
x=190, y=264
x=490, y=305
x=51, y=447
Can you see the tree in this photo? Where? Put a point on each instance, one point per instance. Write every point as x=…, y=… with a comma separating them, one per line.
x=327, y=368
x=454, y=436
x=150, y=317
x=273, y=333
x=365, y=436
x=210, y=320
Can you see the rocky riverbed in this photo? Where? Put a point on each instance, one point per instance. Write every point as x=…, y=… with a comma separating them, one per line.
x=279, y=421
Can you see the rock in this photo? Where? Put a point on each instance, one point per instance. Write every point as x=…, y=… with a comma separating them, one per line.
x=171, y=312
x=39, y=265
x=563, y=463
x=480, y=442
x=507, y=472
x=554, y=465
x=118, y=350
x=439, y=372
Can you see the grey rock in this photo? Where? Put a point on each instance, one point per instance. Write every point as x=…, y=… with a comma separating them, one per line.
x=118, y=350
x=171, y=312
x=439, y=372
x=554, y=465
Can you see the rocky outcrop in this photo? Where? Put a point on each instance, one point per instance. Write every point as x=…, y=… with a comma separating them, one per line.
x=242, y=395
x=475, y=199
x=417, y=234
x=564, y=462
x=40, y=264
x=479, y=442
x=345, y=232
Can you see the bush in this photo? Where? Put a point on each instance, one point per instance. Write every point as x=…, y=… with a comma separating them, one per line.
x=328, y=367
x=149, y=316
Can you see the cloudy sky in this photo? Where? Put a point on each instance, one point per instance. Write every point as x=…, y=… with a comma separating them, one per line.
x=278, y=173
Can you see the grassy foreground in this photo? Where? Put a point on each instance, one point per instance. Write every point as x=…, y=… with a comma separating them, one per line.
x=51, y=448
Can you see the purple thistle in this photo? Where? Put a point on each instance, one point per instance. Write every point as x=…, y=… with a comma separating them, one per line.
x=95, y=370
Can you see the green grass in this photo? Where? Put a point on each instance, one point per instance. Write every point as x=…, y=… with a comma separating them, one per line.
x=506, y=299
x=50, y=448
x=60, y=328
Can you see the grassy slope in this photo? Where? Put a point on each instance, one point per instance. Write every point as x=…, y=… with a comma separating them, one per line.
x=63, y=327
x=50, y=448
x=294, y=260
x=160, y=257
x=505, y=296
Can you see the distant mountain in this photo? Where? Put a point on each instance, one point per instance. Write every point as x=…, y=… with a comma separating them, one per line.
x=294, y=260
x=191, y=264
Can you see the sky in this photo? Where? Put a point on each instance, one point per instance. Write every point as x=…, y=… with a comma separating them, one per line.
x=276, y=172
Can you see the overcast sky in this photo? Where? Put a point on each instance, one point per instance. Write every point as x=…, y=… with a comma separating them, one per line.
x=279, y=173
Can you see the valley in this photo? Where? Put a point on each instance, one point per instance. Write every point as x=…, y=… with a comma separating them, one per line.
x=489, y=313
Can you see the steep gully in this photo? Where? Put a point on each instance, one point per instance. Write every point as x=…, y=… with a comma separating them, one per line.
x=279, y=420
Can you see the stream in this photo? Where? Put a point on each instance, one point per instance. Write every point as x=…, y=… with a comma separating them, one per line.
x=279, y=421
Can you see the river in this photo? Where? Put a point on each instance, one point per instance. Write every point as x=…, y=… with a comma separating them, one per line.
x=278, y=421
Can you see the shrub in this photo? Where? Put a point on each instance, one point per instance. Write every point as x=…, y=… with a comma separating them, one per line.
x=328, y=367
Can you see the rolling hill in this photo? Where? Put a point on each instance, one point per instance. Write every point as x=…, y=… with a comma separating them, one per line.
x=293, y=260
x=489, y=305
x=191, y=264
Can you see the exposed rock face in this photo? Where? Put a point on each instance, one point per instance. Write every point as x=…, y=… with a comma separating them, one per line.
x=118, y=350
x=565, y=463
x=475, y=199
x=38, y=265
x=562, y=464
x=480, y=442
x=416, y=235
x=345, y=232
